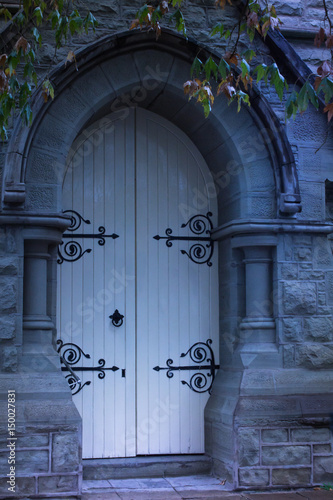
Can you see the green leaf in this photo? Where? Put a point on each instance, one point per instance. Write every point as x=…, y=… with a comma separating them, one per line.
x=142, y=13
x=38, y=14
x=196, y=67
x=54, y=17
x=180, y=21
x=218, y=29
x=261, y=71
x=223, y=68
x=312, y=95
x=90, y=22
x=326, y=87
x=277, y=80
x=249, y=54
x=251, y=33
x=210, y=68
x=37, y=36
x=245, y=67
x=26, y=114
x=176, y=2
x=291, y=106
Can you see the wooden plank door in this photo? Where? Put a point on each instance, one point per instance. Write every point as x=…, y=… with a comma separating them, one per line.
x=177, y=301
x=100, y=187
x=137, y=179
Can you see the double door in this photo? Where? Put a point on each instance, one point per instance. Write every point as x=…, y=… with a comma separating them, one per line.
x=138, y=287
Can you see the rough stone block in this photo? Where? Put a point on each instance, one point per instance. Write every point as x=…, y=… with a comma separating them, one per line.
x=310, y=435
x=288, y=356
x=292, y=329
x=314, y=356
x=274, y=435
x=291, y=477
x=286, y=455
x=319, y=329
x=23, y=486
x=57, y=484
x=303, y=254
x=289, y=271
x=9, y=266
x=30, y=461
x=9, y=359
x=322, y=449
x=33, y=441
x=253, y=477
x=7, y=327
x=248, y=443
x=322, y=253
x=8, y=299
x=323, y=469
x=299, y=298
x=65, y=452
x=311, y=275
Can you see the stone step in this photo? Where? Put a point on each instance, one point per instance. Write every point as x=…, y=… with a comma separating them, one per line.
x=152, y=466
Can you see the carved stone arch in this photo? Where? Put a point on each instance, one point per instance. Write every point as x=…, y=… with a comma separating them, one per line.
x=248, y=152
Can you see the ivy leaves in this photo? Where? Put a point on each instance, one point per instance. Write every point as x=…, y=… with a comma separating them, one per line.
x=19, y=67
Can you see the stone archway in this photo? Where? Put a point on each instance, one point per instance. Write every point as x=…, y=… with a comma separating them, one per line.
x=253, y=170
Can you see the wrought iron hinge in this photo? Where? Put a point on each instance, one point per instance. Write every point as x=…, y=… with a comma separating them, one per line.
x=72, y=250
x=199, y=252
x=202, y=354
x=70, y=355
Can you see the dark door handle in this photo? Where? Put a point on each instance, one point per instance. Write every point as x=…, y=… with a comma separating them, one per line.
x=117, y=318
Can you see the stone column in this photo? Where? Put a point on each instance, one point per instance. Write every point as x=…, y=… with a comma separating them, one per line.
x=38, y=353
x=258, y=325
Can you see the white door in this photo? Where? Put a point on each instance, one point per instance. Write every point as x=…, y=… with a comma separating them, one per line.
x=140, y=196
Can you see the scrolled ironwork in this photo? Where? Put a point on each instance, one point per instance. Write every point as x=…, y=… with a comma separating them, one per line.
x=72, y=250
x=70, y=355
x=202, y=354
x=199, y=253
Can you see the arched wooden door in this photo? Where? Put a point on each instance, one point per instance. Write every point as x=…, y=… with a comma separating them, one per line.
x=141, y=201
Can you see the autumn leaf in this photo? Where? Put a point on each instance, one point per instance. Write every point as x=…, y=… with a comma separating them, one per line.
x=324, y=69
x=252, y=20
x=71, y=58
x=329, y=110
x=164, y=7
x=135, y=24
x=227, y=89
x=22, y=43
x=3, y=59
x=222, y=3
x=190, y=87
x=329, y=42
x=319, y=38
x=231, y=58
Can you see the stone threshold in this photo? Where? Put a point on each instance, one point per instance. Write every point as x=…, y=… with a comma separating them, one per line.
x=146, y=466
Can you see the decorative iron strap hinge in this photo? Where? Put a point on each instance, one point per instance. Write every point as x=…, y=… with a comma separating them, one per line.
x=202, y=354
x=72, y=250
x=199, y=225
x=70, y=355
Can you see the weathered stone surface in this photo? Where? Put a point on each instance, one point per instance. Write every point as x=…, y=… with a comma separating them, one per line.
x=7, y=327
x=33, y=441
x=23, y=486
x=303, y=254
x=288, y=356
x=8, y=295
x=310, y=435
x=9, y=266
x=322, y=449
x=27, y=462
x=9, y=359
x=274, y=435
x=292, y=329
x=314, y=356
x=311, y=275
x=248, y=442
x=319, y=329
x=65, y=452
x=56, y=484
x=286, y=455
x=289, y=271
x=291, y=477
x=299, y=298
x=253, y=477
x=323, y=469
